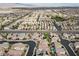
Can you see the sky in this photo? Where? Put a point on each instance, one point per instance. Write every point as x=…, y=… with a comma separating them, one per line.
x=39, y=4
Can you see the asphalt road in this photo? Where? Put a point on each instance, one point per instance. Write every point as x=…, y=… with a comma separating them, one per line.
x=27, y=31
x=64, y=42
x=31, y=44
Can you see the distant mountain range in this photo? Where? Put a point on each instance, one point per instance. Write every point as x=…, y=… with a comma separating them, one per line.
x=8, y=5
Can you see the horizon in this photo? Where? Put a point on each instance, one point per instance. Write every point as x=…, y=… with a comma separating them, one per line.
x=6, y=5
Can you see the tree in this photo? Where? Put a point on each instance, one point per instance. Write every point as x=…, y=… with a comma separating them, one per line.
x=58, y=18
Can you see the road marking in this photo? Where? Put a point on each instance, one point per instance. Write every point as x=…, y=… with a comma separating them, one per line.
x=72, y=49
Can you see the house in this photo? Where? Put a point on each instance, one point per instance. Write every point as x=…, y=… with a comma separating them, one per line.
x=76, y=44
x=1, y=37
x=60, y=52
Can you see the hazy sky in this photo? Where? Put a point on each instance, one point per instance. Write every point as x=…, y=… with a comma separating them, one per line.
x=39, y=4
